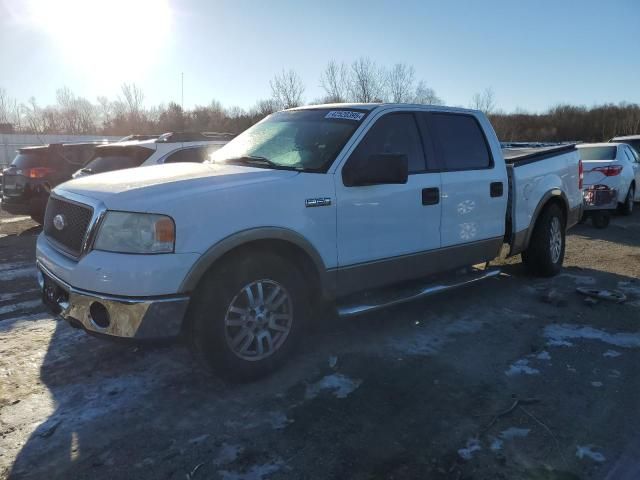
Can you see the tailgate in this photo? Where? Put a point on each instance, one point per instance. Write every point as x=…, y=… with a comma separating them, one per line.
x=12, y=183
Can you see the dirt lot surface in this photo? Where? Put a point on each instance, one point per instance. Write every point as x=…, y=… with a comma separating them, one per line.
x=514, y=378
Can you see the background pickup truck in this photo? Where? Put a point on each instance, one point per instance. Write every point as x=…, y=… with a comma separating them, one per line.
x=360, y=205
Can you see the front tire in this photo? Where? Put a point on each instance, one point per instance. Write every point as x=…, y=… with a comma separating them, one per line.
x=247, y=315
x=626, y=208
x=545, y=253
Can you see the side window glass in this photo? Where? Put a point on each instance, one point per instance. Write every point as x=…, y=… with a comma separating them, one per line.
x=185, y=155
x=394, y=133
x=460, y=142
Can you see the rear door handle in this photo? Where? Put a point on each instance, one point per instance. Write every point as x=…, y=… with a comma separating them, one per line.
x=496, y=189
x=430, y=196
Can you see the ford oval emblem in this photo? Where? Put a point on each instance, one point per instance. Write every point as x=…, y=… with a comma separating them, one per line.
x=59, y=222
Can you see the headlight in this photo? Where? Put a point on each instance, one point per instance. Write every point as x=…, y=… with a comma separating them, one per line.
x=125, y=232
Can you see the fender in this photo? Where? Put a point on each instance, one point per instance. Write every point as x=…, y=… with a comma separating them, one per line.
x=244, y=237
x=522, y=239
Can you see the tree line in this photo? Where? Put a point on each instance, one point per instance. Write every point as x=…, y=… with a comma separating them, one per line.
x=359, y=81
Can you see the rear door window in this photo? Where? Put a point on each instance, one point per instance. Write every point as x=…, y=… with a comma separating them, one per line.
x=194, y=154
x=106, y=159
x=459, y=141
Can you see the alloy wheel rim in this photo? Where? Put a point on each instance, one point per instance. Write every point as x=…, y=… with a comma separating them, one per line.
x=555, y=242
x=258, y=320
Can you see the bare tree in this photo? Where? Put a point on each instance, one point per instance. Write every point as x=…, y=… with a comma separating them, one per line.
x=426, y=95
x=335, y=82
x=485, y=101
x=133, y=98
x=264, y=108
x=366, y=81
x=399, y=83
x=287, y=89
x=4, y=106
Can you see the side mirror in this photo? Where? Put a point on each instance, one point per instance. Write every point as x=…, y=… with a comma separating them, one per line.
x=377, y=169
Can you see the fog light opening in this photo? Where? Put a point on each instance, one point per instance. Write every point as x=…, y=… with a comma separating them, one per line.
x=99, y=315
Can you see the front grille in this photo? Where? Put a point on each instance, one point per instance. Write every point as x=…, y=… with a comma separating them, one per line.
x=76, y=217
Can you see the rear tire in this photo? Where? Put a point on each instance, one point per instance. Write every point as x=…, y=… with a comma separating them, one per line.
x=600, y=219
x=545, y=253
x=247, y=315
x=626, y=208
x=38, y=218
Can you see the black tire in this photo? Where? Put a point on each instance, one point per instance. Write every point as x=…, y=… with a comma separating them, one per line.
x=626, y=208
x=210, y=336
x=600, y=219
x=38, y=218
x=538, y=257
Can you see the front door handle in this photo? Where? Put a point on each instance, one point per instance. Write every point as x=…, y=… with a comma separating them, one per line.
x=430, y=196
x=496, y=189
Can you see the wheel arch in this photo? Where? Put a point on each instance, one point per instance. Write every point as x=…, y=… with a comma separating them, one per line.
x=553, y=196
x=287, y=243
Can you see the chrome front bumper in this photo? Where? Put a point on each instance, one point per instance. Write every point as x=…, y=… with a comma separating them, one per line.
x=125, y=317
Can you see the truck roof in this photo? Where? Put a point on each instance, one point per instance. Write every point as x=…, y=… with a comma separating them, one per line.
x=374, y=106
x=600, y=144
x=626, y=137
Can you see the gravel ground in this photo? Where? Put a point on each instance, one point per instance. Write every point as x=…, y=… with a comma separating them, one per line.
x=517, y=377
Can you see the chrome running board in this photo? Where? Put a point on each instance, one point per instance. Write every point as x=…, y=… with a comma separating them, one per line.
x=372, y=301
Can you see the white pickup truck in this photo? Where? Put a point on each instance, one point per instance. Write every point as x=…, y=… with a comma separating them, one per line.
x=330, y=203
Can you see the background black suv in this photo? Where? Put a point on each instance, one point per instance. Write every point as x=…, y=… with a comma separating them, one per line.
x=35, y=171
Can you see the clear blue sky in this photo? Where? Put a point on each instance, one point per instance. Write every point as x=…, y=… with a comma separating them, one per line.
x=533, y=54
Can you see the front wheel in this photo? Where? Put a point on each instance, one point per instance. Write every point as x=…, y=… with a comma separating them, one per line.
x=626, y=208
x=545, y=253
x=247, y=316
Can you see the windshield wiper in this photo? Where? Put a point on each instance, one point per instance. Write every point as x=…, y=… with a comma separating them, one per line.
x=261, y=161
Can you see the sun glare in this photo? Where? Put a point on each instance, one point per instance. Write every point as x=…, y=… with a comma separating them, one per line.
x=110, y=41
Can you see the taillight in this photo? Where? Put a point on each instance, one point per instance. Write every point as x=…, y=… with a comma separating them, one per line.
x=37, y=172
x=580, y=174
x=609, y=171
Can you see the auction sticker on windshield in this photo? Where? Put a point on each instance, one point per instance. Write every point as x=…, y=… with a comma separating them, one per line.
x=345, y=115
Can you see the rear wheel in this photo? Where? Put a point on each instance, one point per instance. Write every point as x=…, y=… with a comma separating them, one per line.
x=247, y=316
x=38, y=218
x=626, y=208
x=545, y=253
x=600, y=219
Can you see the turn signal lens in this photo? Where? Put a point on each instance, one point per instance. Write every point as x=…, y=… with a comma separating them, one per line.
x=165, y=230
x=38, y=172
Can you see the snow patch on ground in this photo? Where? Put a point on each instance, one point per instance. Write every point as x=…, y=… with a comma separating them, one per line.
x=628, y=287
x=28, y=305
x=563, y=332
x=227, y=454
x=429, y=343
x=596, y=384
x=611, y=354
x=587, y=451
x=14, y=219
x=340, y=385
x=544, y=355
x=256, y=472
x=7, y=274
x=473, y=445
x=496, y=444
x=521, y=367
x=514, y=432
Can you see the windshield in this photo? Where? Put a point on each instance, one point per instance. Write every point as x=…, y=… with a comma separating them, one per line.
x=598, y=153
x=306, y=140
x=116, y=158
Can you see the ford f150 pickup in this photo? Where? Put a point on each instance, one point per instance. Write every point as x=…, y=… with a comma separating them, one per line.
x=361, y=205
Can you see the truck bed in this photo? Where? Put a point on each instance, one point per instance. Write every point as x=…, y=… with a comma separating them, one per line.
x=523, y=156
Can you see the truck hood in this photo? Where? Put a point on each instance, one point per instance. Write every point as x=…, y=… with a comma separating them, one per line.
x=156, y=183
